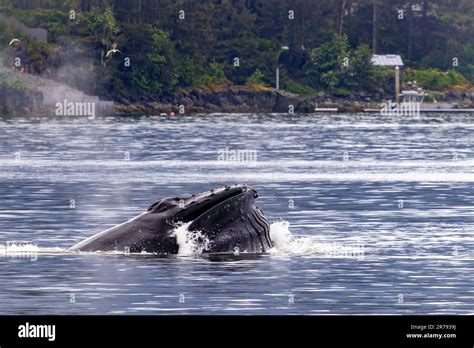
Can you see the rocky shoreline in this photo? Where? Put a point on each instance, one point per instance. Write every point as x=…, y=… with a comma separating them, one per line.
x=246, y=99
x=255, y=99
x=20, y=99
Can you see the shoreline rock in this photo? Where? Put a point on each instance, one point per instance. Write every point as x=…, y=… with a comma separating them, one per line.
x=245, y=99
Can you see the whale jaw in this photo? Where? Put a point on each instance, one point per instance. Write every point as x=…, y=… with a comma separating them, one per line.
x=235, y=225
x=227, y=217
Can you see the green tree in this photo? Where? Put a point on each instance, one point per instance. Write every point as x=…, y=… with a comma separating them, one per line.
x=256, y=78
x=153, y=61
x=325, y=68
x=100, y=24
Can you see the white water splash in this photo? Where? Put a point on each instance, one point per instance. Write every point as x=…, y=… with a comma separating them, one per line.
x=190, y=243
x=284, y=241
x=26, y=250
x=195, y=243
x=13, y=248
x=19, y=250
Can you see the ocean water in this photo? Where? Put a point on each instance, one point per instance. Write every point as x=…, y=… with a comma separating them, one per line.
x=370, y=214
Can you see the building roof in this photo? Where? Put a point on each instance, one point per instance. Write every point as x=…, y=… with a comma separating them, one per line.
x=387, y=60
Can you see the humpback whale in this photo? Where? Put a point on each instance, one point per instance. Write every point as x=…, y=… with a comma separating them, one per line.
x=227, y=217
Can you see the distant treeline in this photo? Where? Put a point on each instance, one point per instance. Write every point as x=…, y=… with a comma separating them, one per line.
x=318, y=45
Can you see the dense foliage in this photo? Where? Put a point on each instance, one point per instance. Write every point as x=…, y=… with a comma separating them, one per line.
x=436, y=79
x=316, y=44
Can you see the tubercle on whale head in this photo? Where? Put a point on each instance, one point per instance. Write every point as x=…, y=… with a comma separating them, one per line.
x=185, y=209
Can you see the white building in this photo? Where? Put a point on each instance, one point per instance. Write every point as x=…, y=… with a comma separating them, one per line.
x=387, y=60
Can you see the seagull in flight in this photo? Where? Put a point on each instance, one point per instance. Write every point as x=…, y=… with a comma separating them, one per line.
x=112, y=51
x=13, y=41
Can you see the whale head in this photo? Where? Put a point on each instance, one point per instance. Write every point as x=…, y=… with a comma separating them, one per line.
x=227, y=217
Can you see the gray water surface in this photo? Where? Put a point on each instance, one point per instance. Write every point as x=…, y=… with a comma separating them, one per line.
x=381, y=211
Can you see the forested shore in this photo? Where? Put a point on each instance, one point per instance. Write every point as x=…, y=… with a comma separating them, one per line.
x=166, y=50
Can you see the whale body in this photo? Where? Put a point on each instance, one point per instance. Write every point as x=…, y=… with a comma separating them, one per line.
x=226, y=217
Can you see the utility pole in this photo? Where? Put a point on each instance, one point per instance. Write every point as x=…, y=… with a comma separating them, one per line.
x=277, y=78
x=397, y=84
x=374, y=27
x=277, y=74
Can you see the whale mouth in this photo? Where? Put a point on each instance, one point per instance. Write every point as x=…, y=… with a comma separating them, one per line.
x=231, y=221
x=227, y=217
x=207, y=202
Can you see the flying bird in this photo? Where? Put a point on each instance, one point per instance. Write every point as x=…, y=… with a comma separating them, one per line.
x=13, y=41
x=112, y=51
